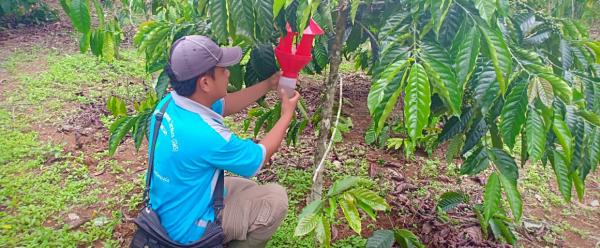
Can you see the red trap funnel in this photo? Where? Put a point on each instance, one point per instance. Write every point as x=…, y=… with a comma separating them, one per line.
x=292, y=59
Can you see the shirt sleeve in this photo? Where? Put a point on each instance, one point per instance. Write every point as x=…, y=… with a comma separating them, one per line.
x=219, y=106
x=239, y=156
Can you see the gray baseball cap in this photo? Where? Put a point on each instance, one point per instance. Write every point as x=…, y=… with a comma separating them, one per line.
x=195, y=54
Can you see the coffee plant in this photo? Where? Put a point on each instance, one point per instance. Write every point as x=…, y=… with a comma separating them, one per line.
x=25, y=12
x=504, y=83
x=349, y=195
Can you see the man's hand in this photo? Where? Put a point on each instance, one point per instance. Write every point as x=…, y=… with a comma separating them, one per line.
x=273, y=80
x=288, y=105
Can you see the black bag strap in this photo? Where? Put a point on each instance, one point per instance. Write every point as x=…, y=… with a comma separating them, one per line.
x=218, y=202
x=159, y=117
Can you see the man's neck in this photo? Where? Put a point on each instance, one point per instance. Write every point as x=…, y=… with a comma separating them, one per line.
x=204, y=100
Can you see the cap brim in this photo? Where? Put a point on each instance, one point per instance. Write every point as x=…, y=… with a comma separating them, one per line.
x=231, y=56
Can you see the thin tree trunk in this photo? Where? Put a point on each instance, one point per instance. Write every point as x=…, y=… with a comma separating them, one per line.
x=329, y=98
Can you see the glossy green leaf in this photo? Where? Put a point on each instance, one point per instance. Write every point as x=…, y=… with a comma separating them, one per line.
x=381, y=239
x=264, y=18
x=563, y=176
x=218, y=19
x=513, y=196
x=416, y=102
x=384, y=93
x=80, y=15
x=455, y=125
x=513, y=113
x=491, y=197
x=407, y=239
x=442, y=71
x=307, y=224
x=591, y=117
x=119, y=129
x=579, y=186
x=348, y=205
x=243, y=16
x=499, y=55
x=451, y=199
x=560, y=87
x=504, y=163
x=477, y=162
x=536, y=135
x=564, y=137
x=323, y=231
x=370, y=198
x=466, y=53
x=501, y=230
x=486, y=8
x=475, y=134
x=486, y=88
x=542, y=89
x=342, y=185
x=454, y=147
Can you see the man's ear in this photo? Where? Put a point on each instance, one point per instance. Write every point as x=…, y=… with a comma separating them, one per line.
x=202, y=84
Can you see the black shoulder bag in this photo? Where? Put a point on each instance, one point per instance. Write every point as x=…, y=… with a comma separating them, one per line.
x=150, y=232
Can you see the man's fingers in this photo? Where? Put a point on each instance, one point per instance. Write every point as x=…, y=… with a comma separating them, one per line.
x=283, y=95
x=295, y=96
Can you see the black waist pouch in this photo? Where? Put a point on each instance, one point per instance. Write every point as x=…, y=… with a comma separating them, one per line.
x=151, y=234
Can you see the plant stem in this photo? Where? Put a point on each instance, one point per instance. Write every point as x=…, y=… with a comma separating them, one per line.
x=329, y=97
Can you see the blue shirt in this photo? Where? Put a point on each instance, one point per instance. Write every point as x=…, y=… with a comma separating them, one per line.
x=192, y=146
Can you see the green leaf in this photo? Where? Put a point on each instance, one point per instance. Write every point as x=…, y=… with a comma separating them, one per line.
x=539, y=87
x=486, y=88
x=406, y=239
x=277, y=6
x=501, y=230
x=486, y=8
x=491, y=197
x=162, y=82
x=416, y=102
x=564, y=137
x=370, y=198
x=264, y=18
x=381, y=239
x=384, y=93
x=454, y=147
x=475, y=134
x=439, y=60
x=348, y=205
x=96, y=42
x=499, y=54
x=477, y=162
x=513, y=196
x=84, y=42
x=560, y=87
x=465, y=55
x=323, y=232
x=99, y=13
x=563, y=176
x=80, y=15
x=579, y=186
x=455, y=125
x=354, y=8
x=503, y=7
x=590, y=116
x=536, y=135
x=312, y=208
x=367, y=209
x=140, y=128
x=108, y=47
x=118, y=130
x=307, y=224
x=439, y=10
x=505, y=164
x=243, y=16
x=342, y=185
x=513, y=113
x=218, y=19
x=451, y=199
x=263, y=63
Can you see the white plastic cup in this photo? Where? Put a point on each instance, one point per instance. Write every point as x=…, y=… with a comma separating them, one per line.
x=288, y=85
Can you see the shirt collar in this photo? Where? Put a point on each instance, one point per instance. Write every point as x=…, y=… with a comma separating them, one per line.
x=193, y=106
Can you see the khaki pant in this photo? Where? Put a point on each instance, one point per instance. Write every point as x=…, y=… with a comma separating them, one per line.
x=252, y=212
